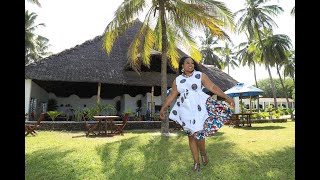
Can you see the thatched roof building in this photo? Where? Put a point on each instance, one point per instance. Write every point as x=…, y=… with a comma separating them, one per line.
x=77, y=71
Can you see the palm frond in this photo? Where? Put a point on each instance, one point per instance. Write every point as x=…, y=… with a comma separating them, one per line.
x=124, y=18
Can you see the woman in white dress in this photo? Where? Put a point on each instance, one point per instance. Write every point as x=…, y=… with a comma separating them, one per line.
x=198, y=114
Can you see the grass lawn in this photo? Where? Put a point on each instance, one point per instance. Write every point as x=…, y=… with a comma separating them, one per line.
x=263, y=151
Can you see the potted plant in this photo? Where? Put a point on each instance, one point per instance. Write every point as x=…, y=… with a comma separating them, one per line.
x=53, y=114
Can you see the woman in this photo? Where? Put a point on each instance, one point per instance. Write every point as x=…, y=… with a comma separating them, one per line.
x=198, y=114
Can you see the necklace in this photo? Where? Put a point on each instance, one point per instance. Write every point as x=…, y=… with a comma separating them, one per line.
x=184, y=75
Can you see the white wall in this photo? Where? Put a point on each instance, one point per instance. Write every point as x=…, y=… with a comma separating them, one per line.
x=78, y=103
x=130, y=103
x=236, y=105
x=40, y=94
x=27, y=94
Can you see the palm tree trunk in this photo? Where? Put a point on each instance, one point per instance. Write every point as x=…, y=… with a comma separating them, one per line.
x=285, y=90
x=165, y=122
x=267, y=65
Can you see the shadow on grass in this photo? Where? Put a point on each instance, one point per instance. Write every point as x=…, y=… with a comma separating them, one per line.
x=160, y=157
x=263, y=128
x=43, y=165
x=275, y=165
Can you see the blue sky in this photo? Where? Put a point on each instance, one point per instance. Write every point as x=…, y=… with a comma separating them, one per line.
x=72, y=22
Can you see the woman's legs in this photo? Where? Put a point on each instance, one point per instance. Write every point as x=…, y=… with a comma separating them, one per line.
x=202, y=147
x=194, y=149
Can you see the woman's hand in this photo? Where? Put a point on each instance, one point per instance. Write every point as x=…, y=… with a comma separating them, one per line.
x=230, y=101
x=162, y=115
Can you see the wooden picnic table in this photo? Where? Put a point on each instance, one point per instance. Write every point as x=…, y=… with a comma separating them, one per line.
x=105, y=119
x=246, y=115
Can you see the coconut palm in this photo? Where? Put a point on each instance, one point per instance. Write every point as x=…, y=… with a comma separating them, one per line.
x=36, y=46
x=35, y=2
x=289, y=67
x=249, y=55
x=253, y=18
x=227, y=56
x=167, y=24
x=293, y=11
x=276, y=48
x=207, y=49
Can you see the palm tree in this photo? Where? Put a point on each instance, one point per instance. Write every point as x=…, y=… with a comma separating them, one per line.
x=249, y=55
x=289, y=67
x=254, y=18
x=36, y=46
x=293, y=11
x=207, y=50
x=35, y=2
x=277, y=47
x=167, y=24
x=227, y=56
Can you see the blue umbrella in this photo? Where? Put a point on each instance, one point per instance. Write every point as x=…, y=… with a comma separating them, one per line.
x=243, y=90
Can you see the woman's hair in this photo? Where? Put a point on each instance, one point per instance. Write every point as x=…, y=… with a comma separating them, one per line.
x=196, y=65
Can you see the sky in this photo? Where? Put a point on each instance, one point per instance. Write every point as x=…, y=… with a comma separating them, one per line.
x=72, y=22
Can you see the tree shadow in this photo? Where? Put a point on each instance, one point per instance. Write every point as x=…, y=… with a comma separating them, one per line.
x=50, y=159
x=228, y=165
x=263, y=128
x=164, y=157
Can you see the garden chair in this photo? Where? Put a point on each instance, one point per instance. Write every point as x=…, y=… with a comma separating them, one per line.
x=31, y=127
x=119, y=128
x=90, y=126
x=234, y=121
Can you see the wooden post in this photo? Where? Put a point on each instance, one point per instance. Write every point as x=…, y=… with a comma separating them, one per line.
x=152, y=101
x=98, y=96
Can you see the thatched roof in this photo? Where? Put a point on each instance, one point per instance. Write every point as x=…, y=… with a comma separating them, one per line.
x=89, y=63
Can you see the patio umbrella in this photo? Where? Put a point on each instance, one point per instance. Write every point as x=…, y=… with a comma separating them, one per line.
x=243, y=90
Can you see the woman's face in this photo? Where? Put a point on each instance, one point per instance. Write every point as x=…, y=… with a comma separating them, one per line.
x=188, y=65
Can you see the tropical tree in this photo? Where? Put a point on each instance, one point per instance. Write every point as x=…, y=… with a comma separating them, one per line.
x=207, y=49
x=35, y=2
x=293, y=11
x=289, y=67
x=254, y=18
x=248, y=55
x=167, y=24
x=277, y=47
x=36, y=46
x=264, y=84
x=227, y=56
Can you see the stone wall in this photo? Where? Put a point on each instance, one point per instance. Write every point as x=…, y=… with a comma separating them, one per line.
x=79, y=126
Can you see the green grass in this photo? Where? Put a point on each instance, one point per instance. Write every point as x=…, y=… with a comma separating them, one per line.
x=264, y=151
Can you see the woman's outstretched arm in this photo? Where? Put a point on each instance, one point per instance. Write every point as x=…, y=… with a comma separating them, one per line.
x=207, y=83
x=174, y=93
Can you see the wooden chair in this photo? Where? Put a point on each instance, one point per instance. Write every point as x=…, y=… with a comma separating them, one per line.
x=90, y=126
x=119, y=128
x=31, y=127
x=234, y=121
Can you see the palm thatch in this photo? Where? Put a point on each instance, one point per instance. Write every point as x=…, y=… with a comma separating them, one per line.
x=86, y=64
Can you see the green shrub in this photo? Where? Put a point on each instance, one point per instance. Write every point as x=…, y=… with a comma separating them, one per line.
x=53, y=114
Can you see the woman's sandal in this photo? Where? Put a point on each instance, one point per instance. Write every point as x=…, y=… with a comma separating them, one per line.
x=196, y=167
x=205, y=159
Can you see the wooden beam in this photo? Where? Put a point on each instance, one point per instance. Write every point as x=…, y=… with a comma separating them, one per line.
x=99, y=89
x=152, y=101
